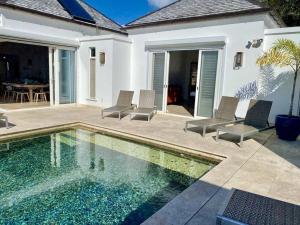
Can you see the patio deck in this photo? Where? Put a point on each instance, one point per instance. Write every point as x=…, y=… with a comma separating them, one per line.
x=265, y=165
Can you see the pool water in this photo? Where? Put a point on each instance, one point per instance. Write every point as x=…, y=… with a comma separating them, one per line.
x=81, y=177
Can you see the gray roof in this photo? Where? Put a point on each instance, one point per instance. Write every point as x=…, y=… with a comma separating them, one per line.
x=54, y=8
x=192, y=9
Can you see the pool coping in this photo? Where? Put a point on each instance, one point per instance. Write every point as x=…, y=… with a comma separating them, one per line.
x=185, y=205
x=214, y=158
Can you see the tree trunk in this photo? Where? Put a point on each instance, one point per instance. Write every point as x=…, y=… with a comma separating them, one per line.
x=293, y=94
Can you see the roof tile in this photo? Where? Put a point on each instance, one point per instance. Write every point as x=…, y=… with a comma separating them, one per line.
x=53, y=7
x=187, y=9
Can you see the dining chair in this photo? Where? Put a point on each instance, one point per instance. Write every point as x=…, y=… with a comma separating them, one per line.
x=9, y=93
x=40, y=96
x=22, y=95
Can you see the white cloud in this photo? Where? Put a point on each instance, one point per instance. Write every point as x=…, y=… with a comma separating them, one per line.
x=160, y=3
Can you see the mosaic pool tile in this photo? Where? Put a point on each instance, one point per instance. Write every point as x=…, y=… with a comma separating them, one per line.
x=81, y=177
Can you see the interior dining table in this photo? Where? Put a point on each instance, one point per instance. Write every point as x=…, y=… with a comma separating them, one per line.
x=30, y=87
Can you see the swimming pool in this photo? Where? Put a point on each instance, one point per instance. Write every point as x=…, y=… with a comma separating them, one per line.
x=77, y=176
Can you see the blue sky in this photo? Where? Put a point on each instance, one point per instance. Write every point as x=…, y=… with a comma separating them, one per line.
x=124, y=11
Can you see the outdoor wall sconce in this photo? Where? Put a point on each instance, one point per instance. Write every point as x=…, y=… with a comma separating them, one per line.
x=102, y=58
x=257, y=43
x=254, y=43
x=238, y=60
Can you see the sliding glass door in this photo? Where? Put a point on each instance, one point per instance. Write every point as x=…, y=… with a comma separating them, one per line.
x=67, y=77
x=206, y=89
x=208, y=66
x=160, y=78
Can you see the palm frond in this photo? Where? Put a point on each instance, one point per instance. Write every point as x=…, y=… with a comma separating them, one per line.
x=284, y=52
x=275, y=57
x=286, y=45
x=290, y=47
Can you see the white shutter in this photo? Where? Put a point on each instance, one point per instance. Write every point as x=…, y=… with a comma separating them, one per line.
x=207, y=84
x=158, y=78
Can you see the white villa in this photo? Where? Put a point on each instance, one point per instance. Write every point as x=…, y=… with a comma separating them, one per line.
x=191, y=52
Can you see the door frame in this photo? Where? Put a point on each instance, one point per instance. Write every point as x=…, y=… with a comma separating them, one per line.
x=166, y=81
x=218, y=86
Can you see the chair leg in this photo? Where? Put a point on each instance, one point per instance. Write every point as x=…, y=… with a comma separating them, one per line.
x=242, y=141
x=218, y=135
x=102, y=115
x=186, y=127
x=6, y=122
x=119, y=115
x=204, y=131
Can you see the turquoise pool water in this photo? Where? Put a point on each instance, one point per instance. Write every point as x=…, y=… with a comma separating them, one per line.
x=81, y=177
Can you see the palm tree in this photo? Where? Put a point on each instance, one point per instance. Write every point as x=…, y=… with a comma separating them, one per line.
x=284, y=53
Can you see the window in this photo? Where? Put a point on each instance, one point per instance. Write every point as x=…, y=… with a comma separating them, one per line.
x=93, y=73
x=93, y=52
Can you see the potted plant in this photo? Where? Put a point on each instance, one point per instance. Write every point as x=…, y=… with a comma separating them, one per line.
x=285, y=53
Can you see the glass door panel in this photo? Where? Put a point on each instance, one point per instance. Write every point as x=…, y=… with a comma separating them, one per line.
x=67, y=78
x=207, y=83
x=159, y=78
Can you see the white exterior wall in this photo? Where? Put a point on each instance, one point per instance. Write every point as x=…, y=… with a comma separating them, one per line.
x=44, y=25
x=103, y=73
x=111, y=77
x=279, y=88
x=237, y=32
x=121, y=67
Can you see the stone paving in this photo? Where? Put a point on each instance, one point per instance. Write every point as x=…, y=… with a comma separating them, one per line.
x=265, y=165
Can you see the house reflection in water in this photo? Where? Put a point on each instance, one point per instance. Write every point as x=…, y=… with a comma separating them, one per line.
x=82, y=144
x=100, y=157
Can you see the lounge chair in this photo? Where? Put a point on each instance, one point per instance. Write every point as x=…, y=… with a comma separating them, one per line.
x=124, y=104
x=256, y=120
x=2, y=117
x=242, y=207
x=224, y=115
x=146, y=105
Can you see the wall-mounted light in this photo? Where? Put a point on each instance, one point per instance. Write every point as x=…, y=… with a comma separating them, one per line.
x=238, y=60
x=102, y=58
x=254, y=43
x=257, y=43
